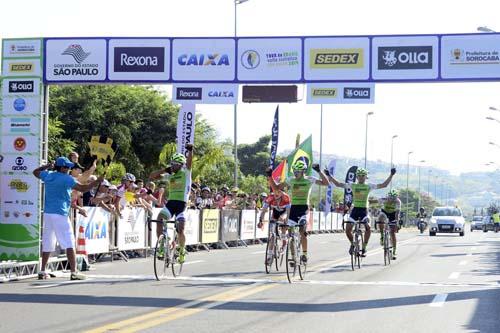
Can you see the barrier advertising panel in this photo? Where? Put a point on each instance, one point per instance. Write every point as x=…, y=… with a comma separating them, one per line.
x=192, y=226
x=247, y=228
x=310, y=221
x=132, y=229
x=209, y=226
x=316, y=217
x=198, y=93
x=322, y=221
x=230, y=221
x=264, y=231
x=96, y=226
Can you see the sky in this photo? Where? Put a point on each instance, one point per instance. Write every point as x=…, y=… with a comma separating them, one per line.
x=442, y=123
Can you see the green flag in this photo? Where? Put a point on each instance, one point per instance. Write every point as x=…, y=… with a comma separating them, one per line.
x=302, y=152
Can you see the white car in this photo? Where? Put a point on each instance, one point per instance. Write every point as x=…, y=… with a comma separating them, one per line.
x=447, y=220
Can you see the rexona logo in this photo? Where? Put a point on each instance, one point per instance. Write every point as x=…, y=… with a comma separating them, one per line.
x=324, y=92
x=19, y=104
x=18, y=185
x=19, y=165
x=189, y=93
x=21, y=67
x=357, y=93
x=221, y=93
x=139, y=59
x=336, y=58
x=404, y=57
x=211, y=59
x=80, y=67
x=19, y=87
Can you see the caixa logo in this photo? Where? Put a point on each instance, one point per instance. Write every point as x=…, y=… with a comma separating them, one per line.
x=210, y=59
x=357, y=93
x=221, y=93
x=404, y=57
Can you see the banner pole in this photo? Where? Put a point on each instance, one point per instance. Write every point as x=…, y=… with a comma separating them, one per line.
x=320, y=149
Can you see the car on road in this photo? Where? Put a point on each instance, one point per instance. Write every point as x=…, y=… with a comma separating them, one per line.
x=447, y=220
x=488, y=224
x=476, y=223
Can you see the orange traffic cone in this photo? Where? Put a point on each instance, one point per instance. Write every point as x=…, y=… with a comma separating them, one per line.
x=80, y=241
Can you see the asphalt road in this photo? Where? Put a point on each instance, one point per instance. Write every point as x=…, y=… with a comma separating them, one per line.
x=438, y=284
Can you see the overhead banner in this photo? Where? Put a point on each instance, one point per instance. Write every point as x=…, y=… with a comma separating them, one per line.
x=341, y=93
x=185, y=127
x=205, y=93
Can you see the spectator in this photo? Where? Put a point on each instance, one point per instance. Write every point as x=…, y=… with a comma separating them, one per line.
x=56, y=223
x=120, y=201
x=205, y=201
x=76, y=196
x=260, y=201
x=160, y=195
x=87, y=196
x=103, y=198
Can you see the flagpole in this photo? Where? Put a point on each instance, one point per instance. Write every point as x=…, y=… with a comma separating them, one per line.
x=320, y=148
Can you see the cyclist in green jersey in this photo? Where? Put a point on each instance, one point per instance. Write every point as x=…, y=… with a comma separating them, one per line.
x=300, y=190
x=390, y=214
x=178, y=176
x=360, y=191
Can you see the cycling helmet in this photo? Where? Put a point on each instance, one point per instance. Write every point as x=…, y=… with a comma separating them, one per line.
x=299, y=166
x=206, y=188
x=129, y=177
x=361, y=172
x=178, y=158
x=393, y=193
x=263, y=194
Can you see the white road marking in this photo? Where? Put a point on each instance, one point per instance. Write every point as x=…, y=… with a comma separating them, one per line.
x=193, y=262
x=259, y=252
x=469, y=255
x=462, y=263
x=454, y=275
x=438, y=300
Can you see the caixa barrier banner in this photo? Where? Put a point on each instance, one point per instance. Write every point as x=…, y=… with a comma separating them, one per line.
x=96, y=229
x=192, y=226
x=132, y=229
x=229, y=226
x=210, y=226
x=247, y=226
x=264, y=231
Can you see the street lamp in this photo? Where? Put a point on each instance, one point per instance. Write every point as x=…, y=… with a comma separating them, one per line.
x=492, y=108
x=485, y=29
x=407, y=186
x=419, y=195
x=494, y=119
x=392, y=154
x=366, y=135
x=235, y=106
x=429, y=182
x=494, y=144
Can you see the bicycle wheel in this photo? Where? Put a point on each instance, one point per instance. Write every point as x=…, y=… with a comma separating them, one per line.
x=277, y=254
x=174, y=254
x=281, y=252
x=302, y=264
x=291, y=262
x=387, y=250
x=160, y=260
x=360, y=243
x=269, y=263
x=354, y=251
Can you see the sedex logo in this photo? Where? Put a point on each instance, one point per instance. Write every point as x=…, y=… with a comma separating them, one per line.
x=18, y=87
x=139, y=59
x=189, y=93
x=404, y=57
x=356, y=93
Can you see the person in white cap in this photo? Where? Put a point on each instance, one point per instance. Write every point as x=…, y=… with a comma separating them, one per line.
x=56, y=223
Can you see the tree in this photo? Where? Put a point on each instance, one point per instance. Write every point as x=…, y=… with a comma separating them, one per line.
x=58, y=145
x=254, y=158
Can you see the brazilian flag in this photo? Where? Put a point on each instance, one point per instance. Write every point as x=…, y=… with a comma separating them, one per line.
x=302, y=152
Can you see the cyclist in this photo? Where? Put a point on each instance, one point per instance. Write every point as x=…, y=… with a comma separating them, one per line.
x=280, y=204
x=178, y=176
x=359, y=212
x=300, y=190
x=390, y=214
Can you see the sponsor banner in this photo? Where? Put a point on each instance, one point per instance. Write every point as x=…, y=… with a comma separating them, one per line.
x=230, y=223
x=22, y=67
x=405, y=58
x=476, y=56
x=336, y=58
x=349, y=179
x=185, y=127
x=139, y=60
x=19, y=195
x=19, y=164
x=322, y=221
x=209, y=226
x=264, y=231
x=316, y=217
x=329, y=190
x=75, y=60
x=192, y=226
x=21, y=48
x=131, y=227
x=22, y=143
x=203, y=59
x=274, y=137
x=96, y=226
x=205, y=93
x=341, y=93
x=310, y=221
x=269, y=59
x=248, y=222
x=22, y=87
x=19, y=242
x=21, y=106
x=20, y=125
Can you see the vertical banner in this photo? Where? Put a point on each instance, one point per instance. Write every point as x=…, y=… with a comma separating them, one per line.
x=21, y=108
x=329, y=191
x=185, y=126
x=209, y=226
x=349, y=179
x=274, y=137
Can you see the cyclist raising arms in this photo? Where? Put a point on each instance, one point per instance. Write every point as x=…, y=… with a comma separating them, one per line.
x=178, y=175
x=390, y=214
x=360, y=191
x=300, y=190
x=280, y=204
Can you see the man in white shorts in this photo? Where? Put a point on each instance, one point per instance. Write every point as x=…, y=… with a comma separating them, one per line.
x=56, y=223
